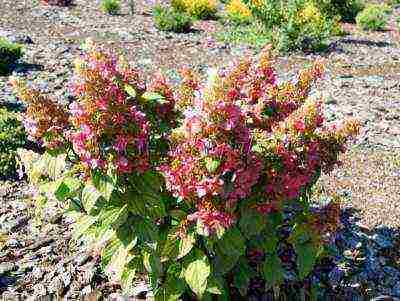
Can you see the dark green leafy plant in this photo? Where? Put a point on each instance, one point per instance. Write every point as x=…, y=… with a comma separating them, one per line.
x=170, y=19
x=111, y=7
x=347, y=10
x=374, y=17
x=12, y=137
x=9, y=54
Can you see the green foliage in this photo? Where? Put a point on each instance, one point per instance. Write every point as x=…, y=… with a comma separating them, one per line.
x=254, y=34
x=304, y=28
x=111, y=7
x=199, y=9
x=170, y=19
x=347, y=10
x=12, y=137
x=373, y=17
x=289, y=25
x=238, y=13
x=9, y=54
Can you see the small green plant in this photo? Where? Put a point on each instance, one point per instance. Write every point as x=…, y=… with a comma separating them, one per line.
x=398, y=23
x=347, y=10
x=305, y=28
x=9, y=53
x=169, y=19
x=199, y=9
x=111, y=7
x=238, y=13
x=12, y=137
x=253, y=34
x=373, y=17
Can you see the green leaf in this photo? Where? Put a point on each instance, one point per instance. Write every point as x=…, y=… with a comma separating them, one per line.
x=146, y=230
x=212, y=164
x=272, y=270
x=196, y=275
x=82, y=225
x=116, y=265
x=109, y=251
x=229, y=249
x=252, y=223
x=90, y=196
x=306, y=257
x=153, y=265
x=127, y=281
x=114, y=216
x=186, y=244
x=299, y=235
x=215, y=285
x=232, y=243
x=270, y=240
x=130, y=90
x=153, y=96
x=53, y=166
x=170, y=249
x=171, y=290
x=67, y=188
x=104, y=185
x=241, y=276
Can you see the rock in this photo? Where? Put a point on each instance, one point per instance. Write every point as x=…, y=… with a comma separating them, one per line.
x=21, y=39
x=6, y=267
x=13, y=243
x=385, y=298
x=56, y=285
x=383, y=241
x=38, y=273
x=396, y=289
x=39, y=290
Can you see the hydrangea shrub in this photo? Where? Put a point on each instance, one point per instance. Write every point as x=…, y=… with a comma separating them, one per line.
x=204, y=187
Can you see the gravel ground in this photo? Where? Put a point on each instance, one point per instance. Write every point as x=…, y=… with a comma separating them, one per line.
x=363, y=81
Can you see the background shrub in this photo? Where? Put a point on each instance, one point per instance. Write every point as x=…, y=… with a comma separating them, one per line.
x=287, y=24
x=347, y=10
x=238, y=12
x=199, y=9
x=170, y=19
x=373, y=17
x=9, y=54
x=111, y=7
x=305, y=28
x=271, y=13
x=12, y=137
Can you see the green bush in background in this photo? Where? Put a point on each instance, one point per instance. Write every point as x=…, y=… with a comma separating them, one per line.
x=12, y=137
x=111, y=7
x=9, y=54
x=169, y=19
x=373, y=17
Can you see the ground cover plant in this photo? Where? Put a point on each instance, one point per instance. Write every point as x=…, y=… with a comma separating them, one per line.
x=374, y=17
x=170, y=19
x=12, y=137
x=9, y=54
x=111, y=7
x=199, y=9
x=204, y=187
